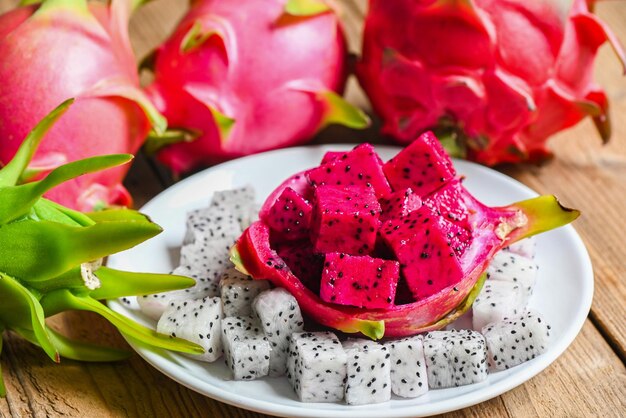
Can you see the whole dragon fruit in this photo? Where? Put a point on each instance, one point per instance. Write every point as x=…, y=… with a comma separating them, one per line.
x=67, y=49
x=250, y=76
x=499, y=77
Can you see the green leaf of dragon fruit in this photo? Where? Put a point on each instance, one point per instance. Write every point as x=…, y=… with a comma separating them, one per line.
x=50, y=258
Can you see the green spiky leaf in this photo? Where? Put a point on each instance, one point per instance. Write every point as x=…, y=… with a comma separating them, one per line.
x=20, y=309
x=79, y=350
x=224, y=123
x=66, y=300
x=338, y=110
x=117, y=215
x=3, y=390
x=10, y=173
x=117, y=283
x=16, y=201
x=195, y=37
x=39, y=250
x=306, y=8
x=155, y=142
x=544, y=213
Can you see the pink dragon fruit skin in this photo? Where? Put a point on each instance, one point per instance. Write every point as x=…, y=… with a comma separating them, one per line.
x=249, y=77
x=505, y=75
x=61, y=50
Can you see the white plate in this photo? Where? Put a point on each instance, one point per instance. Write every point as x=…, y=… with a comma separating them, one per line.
x=563, y=292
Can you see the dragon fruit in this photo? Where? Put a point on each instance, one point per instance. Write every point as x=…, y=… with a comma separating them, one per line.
x=516, y=339
x=61, y=50
x=513, y=268
x=211, y=79
x=423, y=166
x=496, y=301
x=290, y=215
x=359, y=167
x=455, y=358
x=345, y=219
x=408, y=367
x=246, y=350
x=316, y=367
x=499, y=77
x=448, y=202
x=361, y=281
x=399, y=204
x=368, y=372
x=198, y=321
x=491, y=229
x=279, y=316
x=238, y=291
x=303, y=262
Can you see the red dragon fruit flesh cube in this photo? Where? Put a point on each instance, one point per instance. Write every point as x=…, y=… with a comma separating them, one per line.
x=345, y=219
x=360, y=281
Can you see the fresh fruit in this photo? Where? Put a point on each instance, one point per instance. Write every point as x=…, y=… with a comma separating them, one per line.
x=316, y=367
x=455, y=358
x=360, y=281
x=238, y=291
x=63, y=49
x=290, y=216
x=515, y=269
x=467, y=233
x=497, y=300
x=399, y=204
x=244, y=86
x=303, y=262
x=50, y=258
x=423, y=166
x=279, y=316
x=359, y=167
x=196, y=320
x=345, y=219
x=516, y=339
x=408, y=367
x=499, y=77
x=246, y=350
x=367, y=369
x=421, y=242
x=525, y=247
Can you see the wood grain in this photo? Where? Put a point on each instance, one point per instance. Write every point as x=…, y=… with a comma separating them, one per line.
x=589, y=380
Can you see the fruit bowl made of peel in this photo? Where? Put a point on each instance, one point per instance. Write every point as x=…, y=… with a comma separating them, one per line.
x=390, y=252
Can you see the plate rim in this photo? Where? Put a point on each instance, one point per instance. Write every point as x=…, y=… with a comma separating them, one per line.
x=156, y=358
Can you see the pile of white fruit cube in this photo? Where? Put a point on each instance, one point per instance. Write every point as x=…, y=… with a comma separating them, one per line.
x=258, y=330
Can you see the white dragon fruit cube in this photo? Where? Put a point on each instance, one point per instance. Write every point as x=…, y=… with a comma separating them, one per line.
x=516, y=340
x=496, y=301
x=316, y=367
x=246, y=350
x=506, y=266
x=368, y=372
x=198, y=321
x=238, y=291
x=455, y=358
x=409, y=378
x=280, y=316
x=525, y=248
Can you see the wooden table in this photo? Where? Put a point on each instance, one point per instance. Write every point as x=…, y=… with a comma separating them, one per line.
x=588, y=380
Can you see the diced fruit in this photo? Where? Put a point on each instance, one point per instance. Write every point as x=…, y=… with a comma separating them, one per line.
x=428, y=261
x=345, y=219
x=360, y=167
x=198, y=321
x=455, y=358
x=361, y=281
x=368, y=370
x=516, y=340
x=316, y=367
x=238, y=291
x=525, y=248
x=279, y=316
x=290, y=216
x=448, y=201
x=514, y=268
x=303, y=262
x=496, y=301
x=246, y=350
x=408, y=367
x=399, y=204
x=332, y=155
x=423, y=166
